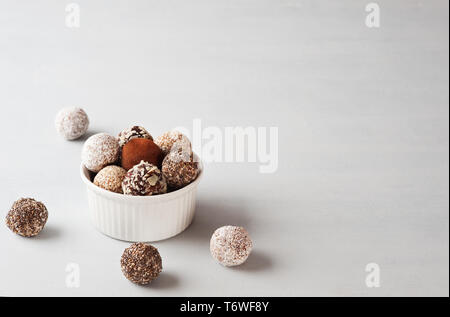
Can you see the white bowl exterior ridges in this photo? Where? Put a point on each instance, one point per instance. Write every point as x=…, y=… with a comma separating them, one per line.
x=137, y=218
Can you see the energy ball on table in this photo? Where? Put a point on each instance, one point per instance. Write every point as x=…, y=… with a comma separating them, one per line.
x=133, y=133
x=110, y=178
x=27, y=217
x=99, y=151
x=137, y=150
x=71, y=123
x=230, y=245
x=179, y=167
x=141, y=263
x=167, y=140
x=144, y=179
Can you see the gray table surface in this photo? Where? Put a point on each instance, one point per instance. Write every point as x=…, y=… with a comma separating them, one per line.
x=363, y=127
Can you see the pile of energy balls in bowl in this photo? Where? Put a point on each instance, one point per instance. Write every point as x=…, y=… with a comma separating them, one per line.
x=136, y=164
x=133, y=164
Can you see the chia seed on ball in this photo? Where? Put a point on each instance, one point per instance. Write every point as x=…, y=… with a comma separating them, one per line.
x=168, y=139
x=71, y=123
x=144, y=179
x=141, y=263
x=27, y=217
x=99, y=151
x=230, y=245
x=133, y=133
x=110, y=178
x=179, y=167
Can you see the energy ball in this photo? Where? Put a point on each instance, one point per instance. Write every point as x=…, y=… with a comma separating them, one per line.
x=144, y=179
x=230, y=245
x=110, y=178
x=71, y=123
x=137, y=150
x=167, y=140
x=179, y=167
x=99, y=151
x=27, y=217
x=141, y=263
x=133, y=133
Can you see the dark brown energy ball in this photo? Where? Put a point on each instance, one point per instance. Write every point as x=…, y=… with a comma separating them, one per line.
x=137, y=150
x=133, y=133
x=27, y=217
x=179, y=168
x=144, y=179
x=141, y=263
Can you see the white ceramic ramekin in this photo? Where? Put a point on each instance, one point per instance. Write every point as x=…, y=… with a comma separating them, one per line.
x=141, y=218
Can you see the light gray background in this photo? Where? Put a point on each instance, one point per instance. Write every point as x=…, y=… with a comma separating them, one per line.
x=363, y=140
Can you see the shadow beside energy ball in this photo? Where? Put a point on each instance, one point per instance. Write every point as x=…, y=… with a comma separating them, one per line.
x=257, y=261
x=164, y=281
x=212, y=214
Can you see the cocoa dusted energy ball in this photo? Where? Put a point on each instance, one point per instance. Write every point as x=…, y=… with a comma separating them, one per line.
x=230, y=245
x=99, y=151
x=71, y=123
x=137, y=150
x=167, y=140
x=144, y=179
x=141, y=263
x=133, y=133
x=27, y=217
x=179, y=167
x=110, y=178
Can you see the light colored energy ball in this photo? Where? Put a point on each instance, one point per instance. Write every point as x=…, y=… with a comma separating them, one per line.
x=99, y=151
x=168, y=139
x=110, y=178
x=230, y=245
x=71, y=123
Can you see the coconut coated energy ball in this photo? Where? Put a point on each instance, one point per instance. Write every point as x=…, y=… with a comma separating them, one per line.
x=168, y=139
x=141, y=263
x=230, y=245
x=110, y=178
x=144, y=179
x=99, y=151
x=27, y=217
x=179, y=167
x=71, y=123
